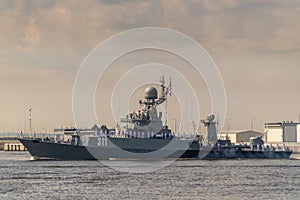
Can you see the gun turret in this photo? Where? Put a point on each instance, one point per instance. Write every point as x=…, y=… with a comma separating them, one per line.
x=264, y=133
x=258, y=140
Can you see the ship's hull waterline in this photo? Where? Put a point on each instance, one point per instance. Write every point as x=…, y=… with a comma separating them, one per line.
x=63, y=151
x=50, y=150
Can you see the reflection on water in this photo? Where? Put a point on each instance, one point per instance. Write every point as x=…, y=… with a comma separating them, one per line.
x=198, y=179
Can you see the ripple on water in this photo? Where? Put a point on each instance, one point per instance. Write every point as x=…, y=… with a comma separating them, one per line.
x=198, y=179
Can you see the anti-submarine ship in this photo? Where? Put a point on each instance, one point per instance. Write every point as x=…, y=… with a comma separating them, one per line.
x=141, y=135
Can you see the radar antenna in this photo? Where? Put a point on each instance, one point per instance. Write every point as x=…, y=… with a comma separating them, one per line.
x=165, y=91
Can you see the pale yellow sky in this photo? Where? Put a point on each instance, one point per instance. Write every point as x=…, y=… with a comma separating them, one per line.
x=255, y=44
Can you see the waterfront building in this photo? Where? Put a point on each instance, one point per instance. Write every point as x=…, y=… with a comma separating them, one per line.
x=285, y=131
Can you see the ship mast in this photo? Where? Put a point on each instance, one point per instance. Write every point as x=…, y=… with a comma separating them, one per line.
x=30, y=123
x=210, y=123
x=165, y=91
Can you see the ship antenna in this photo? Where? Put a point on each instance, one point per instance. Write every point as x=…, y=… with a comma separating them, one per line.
x=166, y=121
x=162, y=85
x=30, y=123
x=170, y=87
x=166, y=93
x=163, y=96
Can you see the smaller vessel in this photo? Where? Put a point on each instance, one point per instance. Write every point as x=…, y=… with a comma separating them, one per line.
x=224, y=149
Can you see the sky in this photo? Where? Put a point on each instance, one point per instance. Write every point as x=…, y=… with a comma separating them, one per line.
x=255, y=45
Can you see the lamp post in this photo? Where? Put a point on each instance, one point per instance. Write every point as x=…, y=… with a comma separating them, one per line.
x=175, y=124
x=19, y=128
x=4, y=129
x=252, y=120
x=47, y=128
x=228, y=126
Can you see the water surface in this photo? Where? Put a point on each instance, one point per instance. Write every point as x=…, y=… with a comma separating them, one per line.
x=21, y=178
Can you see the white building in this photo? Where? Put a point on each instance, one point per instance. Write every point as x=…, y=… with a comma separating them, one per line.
x=282, y=132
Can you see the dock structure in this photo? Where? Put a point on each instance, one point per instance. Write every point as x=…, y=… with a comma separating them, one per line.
x=11, y=144
x=14, y=147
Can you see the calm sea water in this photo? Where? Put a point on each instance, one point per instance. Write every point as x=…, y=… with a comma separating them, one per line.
x=21, y=178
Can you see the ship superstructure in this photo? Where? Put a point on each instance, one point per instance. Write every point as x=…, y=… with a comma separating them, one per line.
x=146, y=122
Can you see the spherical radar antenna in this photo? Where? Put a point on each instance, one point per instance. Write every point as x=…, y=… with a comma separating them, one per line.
x=150, y=93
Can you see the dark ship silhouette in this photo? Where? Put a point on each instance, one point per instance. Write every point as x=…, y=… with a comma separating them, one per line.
x=142, y=135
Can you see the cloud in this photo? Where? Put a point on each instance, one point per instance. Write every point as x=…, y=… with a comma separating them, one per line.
x=246, y=38
x=270, y=25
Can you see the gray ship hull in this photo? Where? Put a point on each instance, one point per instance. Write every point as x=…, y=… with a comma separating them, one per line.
x=50, y=150
x=132, y=149
x=239, y=153
x=120, y=150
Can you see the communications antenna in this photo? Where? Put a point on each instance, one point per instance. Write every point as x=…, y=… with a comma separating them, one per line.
x=30, y=123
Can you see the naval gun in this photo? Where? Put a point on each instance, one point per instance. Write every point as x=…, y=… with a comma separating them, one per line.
x=254, y=141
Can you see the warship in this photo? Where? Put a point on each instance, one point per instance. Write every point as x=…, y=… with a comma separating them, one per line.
x=225, y=149
x=142, y=135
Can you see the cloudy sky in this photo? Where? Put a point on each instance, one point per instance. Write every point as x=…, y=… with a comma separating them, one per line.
x=255, y=44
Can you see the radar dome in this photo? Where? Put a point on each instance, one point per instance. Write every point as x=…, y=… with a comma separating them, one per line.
x=150, y=93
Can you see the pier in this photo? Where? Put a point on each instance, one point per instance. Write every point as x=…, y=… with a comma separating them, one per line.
x=14, y=147
x=11, y=143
